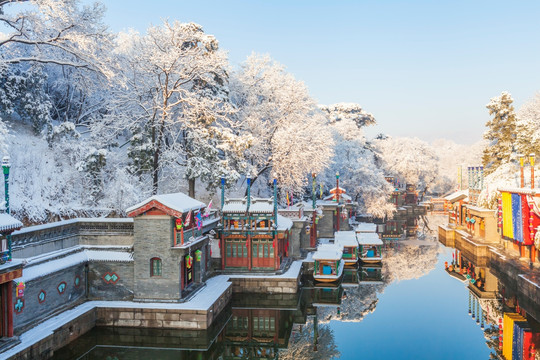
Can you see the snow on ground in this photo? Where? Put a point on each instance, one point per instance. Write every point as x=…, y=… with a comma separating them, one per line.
x=292, y=273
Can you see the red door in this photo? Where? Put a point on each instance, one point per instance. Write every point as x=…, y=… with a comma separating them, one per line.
x=263, y=253
x=236, y=253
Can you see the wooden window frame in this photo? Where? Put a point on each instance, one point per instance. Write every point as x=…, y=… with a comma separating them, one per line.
x=160, y=267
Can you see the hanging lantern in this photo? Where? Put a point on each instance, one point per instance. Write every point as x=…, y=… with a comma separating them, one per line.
x=308, y=228
x=179, y=224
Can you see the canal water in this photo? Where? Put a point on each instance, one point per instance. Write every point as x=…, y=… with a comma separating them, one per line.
x=410, y=308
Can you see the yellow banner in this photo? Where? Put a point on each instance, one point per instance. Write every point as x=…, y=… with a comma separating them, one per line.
x=508, y=227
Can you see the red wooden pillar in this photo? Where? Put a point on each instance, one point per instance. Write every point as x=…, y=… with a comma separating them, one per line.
x=275, y=243
x=277, y=319
x=250, y=252
x=313, y=240
x=223, y=252
x=8, y=312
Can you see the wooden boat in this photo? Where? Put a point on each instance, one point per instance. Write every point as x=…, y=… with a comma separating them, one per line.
x=370, y=247
x=328, y=266
x=347, y=240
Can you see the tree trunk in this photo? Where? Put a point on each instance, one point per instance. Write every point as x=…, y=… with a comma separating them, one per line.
x=191, y=183
x=155, y=173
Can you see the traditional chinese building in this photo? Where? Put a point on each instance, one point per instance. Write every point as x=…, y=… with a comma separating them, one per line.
x=171, y=246
x=9, y=270
x=455, y=204
x=253, y=235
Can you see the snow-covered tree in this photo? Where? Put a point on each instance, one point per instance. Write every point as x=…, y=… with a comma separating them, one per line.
x=528, y=126
x=23, y=96
x=501, y=132
x=410, y=159
x=303, y=347
x=290, y=139
x=60, y=32
x=177, y=105
x=348, y=111
x=4, y=133
x=355, y=161
x=451, y=156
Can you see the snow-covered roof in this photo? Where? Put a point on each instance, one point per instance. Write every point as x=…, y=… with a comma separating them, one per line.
x=346, y=238
x=256, y=205
x=341, y=196
x=334, y=190
x=234, y=206
x=261, y=206
x=368, y=239
x=49, y=263
x=284, y=223
x=109, y=255
x=520, y=190
x=458, y=195
x=9, y=223
x=327, y=203
x=328, y=252
x=177, y=202
x=29, y=229
x=480, y=209
x=366, y=227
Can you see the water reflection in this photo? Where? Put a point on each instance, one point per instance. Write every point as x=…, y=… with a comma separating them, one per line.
x=511, y=331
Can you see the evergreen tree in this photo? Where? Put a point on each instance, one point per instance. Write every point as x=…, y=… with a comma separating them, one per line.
x=528, y=127
x=501, y=132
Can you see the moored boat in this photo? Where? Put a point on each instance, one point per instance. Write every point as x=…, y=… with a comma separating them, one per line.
x=370, y=247
x=328, y=266
x=347, y=240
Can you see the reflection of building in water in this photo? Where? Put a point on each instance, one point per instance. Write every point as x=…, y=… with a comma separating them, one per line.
x=480, y=279
x=510, y=330
x=260, y=325
x=350, y=277
x=370, y=274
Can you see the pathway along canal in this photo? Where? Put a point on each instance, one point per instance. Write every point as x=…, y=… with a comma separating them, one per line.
x=412, y=308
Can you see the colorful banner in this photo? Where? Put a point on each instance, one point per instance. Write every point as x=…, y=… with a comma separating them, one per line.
x=508, y=228
x=517, y=222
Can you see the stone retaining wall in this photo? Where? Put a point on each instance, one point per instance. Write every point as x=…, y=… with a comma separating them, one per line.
x=164, y=318
x=265, y=285
x=477, y=253
x=62, y=336
x=446, y=236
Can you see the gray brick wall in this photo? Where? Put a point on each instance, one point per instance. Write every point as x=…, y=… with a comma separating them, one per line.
x=34, y=311
x=100, y=289
x=153, y=238
x=326, y=223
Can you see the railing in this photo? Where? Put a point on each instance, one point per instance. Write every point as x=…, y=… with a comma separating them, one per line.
x=60, y=230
